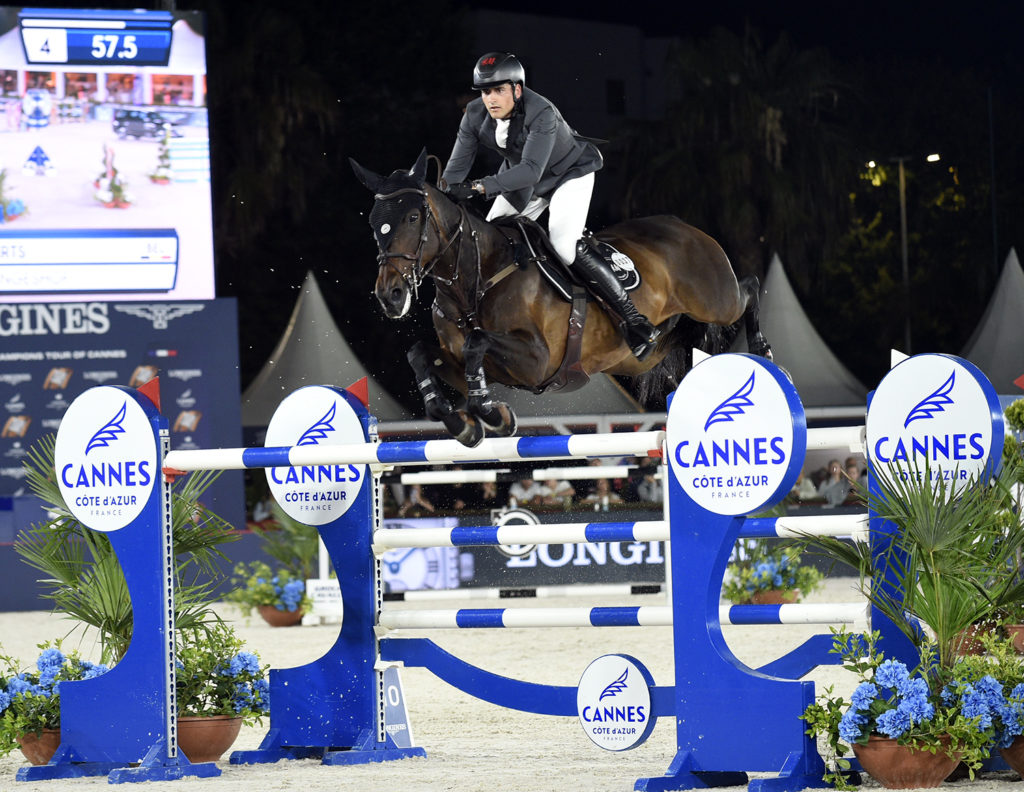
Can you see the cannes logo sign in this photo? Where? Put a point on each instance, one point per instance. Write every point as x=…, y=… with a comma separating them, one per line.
x=315, y=494
x=106, y=458
x=935, y=416
x=613, y=701
x=736, y=434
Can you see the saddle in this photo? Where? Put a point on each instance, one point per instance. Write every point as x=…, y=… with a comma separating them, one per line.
x=531, y=245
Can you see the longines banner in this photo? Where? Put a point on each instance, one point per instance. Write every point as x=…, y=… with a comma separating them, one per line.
x=52, y=352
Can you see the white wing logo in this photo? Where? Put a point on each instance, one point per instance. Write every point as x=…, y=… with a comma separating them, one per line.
x=933, y=403
x=159, y=313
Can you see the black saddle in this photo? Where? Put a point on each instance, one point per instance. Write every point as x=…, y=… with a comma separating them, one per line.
x=532, y=245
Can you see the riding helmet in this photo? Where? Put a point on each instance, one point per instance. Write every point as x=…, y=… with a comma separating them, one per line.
x=496, y=68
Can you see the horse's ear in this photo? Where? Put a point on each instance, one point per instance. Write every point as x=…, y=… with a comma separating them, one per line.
x=419, y=170
x=370, y=180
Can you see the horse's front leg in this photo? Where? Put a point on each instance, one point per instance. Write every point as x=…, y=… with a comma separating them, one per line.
x=498, y=416
x=459, y=423
x=757, y=344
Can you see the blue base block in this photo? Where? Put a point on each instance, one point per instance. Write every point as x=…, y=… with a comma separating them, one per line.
x=378, y=754
x=155, y=766
x=366, y=750
x=797, y=773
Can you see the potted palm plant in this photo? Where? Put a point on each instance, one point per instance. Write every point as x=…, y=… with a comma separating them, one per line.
x=951, y=563
x=216, y=678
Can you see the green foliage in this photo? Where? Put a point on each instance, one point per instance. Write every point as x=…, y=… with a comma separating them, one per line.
x=256, y=585
x=216, y=676
x=82, y=576
x=761, y=566
x=928, y=708
x=1015, y=415
x=29, y=699
x=953, y=561
x=294, y=545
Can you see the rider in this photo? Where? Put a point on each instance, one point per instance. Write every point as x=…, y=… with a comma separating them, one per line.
x=546, y=165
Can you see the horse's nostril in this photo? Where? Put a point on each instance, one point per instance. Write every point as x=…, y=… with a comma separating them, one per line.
x=396, y=295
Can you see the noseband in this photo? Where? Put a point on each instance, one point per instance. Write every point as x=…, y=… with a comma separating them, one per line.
x=419, y=271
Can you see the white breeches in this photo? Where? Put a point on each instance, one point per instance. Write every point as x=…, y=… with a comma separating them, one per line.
x=567, y=218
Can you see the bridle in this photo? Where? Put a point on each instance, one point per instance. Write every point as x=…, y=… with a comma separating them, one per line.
x=419, y=271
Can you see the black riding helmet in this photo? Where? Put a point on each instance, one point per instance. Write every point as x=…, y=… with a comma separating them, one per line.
x=496, y=68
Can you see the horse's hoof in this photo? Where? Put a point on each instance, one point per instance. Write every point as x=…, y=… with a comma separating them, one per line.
x=508, y=423
x=472, y=431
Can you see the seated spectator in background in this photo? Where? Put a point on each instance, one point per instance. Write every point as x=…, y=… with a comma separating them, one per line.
x=416, y=503
x=449, y=497
x=486, y=496
x=648, y=488
x=586, y=486
x=602, y=495
x=525, y=492
x=858, y=479
x=835, y=486
x=804, y=488
x=556, y=493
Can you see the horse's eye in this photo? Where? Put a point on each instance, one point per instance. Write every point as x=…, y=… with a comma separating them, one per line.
x=414, y=218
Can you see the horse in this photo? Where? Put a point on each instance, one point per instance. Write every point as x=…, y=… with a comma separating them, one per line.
x=500, y=321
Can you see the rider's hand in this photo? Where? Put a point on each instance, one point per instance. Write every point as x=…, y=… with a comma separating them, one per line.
x=462, y=191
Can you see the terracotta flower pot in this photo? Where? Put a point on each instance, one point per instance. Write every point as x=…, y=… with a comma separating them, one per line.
x=775, y=597
x=1014, y=755
x=967, y=642
x=206, y=738
x=39, y=749
x=1015, y=632
x=897, y=766
x=279, y=618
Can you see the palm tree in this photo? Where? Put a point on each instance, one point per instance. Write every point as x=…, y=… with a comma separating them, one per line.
x=83, y=577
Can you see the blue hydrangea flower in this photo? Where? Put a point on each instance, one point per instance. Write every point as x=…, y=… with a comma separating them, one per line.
x=244, y=663
x=914, y=688
x=862, y=697
x=5, y=700
x=893, y=723
x=261, y=692
x=18, y=686
x=851, y=725
x=892, y=674
x=50, y=659
x=917, y=708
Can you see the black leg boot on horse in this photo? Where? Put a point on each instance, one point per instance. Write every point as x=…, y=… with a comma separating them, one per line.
x=636, y=328
x=459, y=423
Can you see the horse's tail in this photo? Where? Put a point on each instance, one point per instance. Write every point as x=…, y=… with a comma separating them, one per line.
x=652, y=387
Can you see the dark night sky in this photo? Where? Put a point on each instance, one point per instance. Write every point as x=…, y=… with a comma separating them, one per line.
x=958, y=34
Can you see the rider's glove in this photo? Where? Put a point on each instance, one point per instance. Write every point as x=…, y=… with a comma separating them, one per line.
x=462, y=191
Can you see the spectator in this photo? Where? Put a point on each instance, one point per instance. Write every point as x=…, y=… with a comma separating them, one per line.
x=486, y=496
x=416, y=504
x=858, y=479
x=835, y=487
x=525, y=492
x=804, y=488
x=556, y=493
x=602, y=495
x=648, y=488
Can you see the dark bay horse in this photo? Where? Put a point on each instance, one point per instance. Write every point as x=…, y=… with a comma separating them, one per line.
x=501, y=322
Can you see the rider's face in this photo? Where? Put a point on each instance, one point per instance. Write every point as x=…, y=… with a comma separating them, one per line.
x=500, y=99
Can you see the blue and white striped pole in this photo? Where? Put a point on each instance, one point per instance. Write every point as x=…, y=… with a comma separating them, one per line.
x=413, y=452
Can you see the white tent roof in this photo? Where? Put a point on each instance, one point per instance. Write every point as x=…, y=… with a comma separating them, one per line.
x=820, y=378
x=995, y=346
x=312, y=351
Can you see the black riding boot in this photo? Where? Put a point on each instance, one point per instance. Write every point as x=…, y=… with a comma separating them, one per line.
x=638, y=331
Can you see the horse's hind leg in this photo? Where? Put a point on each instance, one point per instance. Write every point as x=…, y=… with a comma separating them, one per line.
x=497, y=416
x=462, y=426
x=757, y=344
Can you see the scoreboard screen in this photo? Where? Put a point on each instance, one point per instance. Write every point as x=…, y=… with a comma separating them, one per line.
x=104, y=156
